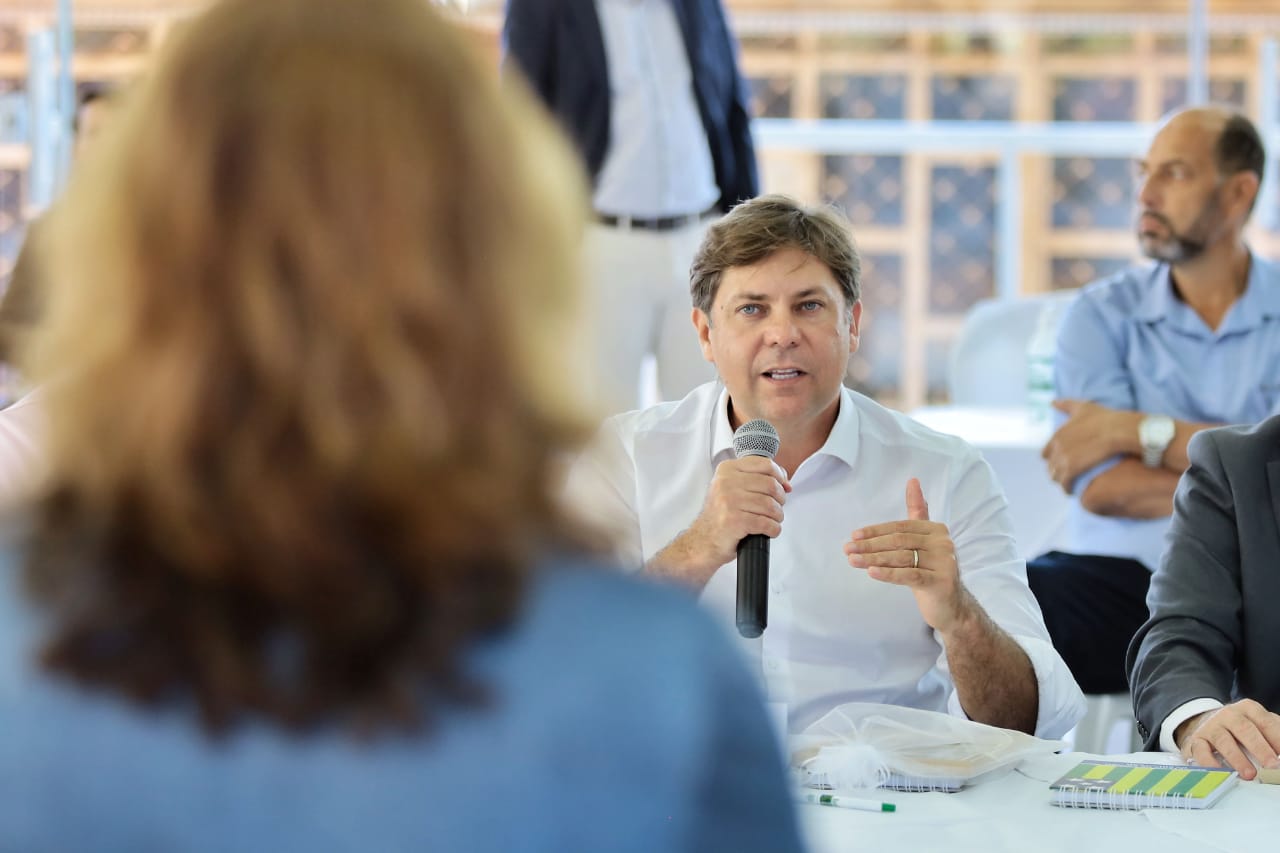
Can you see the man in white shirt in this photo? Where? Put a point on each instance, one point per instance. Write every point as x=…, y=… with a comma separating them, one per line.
x=22, y=422
x=649, y=92
x=894, y=575
x=22, y=461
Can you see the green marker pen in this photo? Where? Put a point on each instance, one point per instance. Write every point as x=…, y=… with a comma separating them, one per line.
x=847, y=802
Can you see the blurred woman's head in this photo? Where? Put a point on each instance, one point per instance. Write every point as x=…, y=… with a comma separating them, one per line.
x=309, y=362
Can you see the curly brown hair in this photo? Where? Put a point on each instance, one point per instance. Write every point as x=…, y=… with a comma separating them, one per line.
x=309, y=369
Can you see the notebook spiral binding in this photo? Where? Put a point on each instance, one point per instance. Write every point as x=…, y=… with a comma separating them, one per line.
x=1093, y=798
x=1122, y=785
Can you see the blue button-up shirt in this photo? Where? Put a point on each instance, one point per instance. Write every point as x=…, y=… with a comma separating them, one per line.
x=1129, y=342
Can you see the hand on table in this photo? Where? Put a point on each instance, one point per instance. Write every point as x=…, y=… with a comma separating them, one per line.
x=1228, y=732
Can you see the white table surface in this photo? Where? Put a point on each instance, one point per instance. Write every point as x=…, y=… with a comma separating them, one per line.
x=1011, y=441
x=1013, y=813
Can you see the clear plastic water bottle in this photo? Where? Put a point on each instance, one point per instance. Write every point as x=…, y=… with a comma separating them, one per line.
x=1040, y=350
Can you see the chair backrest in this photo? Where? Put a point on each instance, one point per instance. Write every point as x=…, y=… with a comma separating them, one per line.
x=988, y=364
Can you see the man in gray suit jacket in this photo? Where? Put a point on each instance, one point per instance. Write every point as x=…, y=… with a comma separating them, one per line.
x=1204, y=670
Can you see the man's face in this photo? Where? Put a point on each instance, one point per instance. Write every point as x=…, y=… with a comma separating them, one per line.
x=1179, y=195
x=780, y=335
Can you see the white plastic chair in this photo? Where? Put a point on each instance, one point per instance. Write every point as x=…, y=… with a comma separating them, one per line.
x=1108, y=727
x=988, y=364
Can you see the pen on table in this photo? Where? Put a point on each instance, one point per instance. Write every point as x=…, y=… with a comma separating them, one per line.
x=846, y=802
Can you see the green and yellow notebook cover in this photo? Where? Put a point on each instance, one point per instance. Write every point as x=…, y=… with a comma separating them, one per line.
x=1110, y=785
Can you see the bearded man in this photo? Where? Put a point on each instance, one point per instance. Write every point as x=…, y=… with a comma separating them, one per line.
x=1146, y=359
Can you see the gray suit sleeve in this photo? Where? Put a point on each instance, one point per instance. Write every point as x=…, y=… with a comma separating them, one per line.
x=1189, y=646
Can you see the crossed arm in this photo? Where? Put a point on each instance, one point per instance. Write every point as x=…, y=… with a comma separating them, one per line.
x=1094, y=433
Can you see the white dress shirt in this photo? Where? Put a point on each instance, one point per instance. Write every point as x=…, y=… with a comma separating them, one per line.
x=835, y=635
x=659, y=161
x=1179, y=716
x=22, y=457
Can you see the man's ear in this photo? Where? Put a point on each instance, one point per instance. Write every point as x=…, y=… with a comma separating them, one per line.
x=855, y=324
x=702, y=323
x=1242, y=188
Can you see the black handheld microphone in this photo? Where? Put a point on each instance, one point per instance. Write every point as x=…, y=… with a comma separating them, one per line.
x=754, y=438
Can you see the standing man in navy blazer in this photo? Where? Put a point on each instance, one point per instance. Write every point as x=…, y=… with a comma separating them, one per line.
x=650, y=93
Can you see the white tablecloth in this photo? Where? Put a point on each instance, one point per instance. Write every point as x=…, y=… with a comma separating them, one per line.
x=1011, y=441
x=1013, y=813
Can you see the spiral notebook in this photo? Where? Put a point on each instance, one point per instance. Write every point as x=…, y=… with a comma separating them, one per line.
x=890, y=780
x=897, y=782
x=1119, y=785
x=946, y=784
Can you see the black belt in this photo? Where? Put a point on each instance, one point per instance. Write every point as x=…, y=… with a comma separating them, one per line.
x=654, y=223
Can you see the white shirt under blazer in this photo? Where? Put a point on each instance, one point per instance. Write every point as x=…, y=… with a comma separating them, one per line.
x=659, y=161
x=834, y=635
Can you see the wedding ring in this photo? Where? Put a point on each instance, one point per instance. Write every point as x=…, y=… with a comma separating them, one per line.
x=915, y=559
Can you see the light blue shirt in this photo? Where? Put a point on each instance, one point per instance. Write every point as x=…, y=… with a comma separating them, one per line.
x=659, y=160
x=1128, y=342
x=618, y=719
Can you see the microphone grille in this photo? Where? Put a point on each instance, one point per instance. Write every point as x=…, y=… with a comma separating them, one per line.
x=755, y=438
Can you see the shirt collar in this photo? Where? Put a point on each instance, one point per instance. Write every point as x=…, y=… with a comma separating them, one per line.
x=842, y=441
x=1261, y=299
x=1158, y=300
x=721, y=430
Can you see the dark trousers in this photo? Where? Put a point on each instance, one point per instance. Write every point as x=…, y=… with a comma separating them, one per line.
x=1092, y=607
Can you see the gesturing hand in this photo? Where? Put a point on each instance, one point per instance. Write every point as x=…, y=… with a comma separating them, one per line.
x=1230, y=731
x=917, y=553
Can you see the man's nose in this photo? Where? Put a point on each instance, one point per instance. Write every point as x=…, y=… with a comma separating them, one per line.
x=1148, y=197
x=782, y=330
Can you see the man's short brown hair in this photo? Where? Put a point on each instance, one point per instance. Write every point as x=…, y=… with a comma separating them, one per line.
x=756, y=229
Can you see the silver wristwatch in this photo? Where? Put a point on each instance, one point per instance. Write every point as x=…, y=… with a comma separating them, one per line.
x=1155, y=433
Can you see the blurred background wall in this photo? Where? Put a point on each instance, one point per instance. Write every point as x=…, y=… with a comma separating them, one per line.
x=982, y=148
